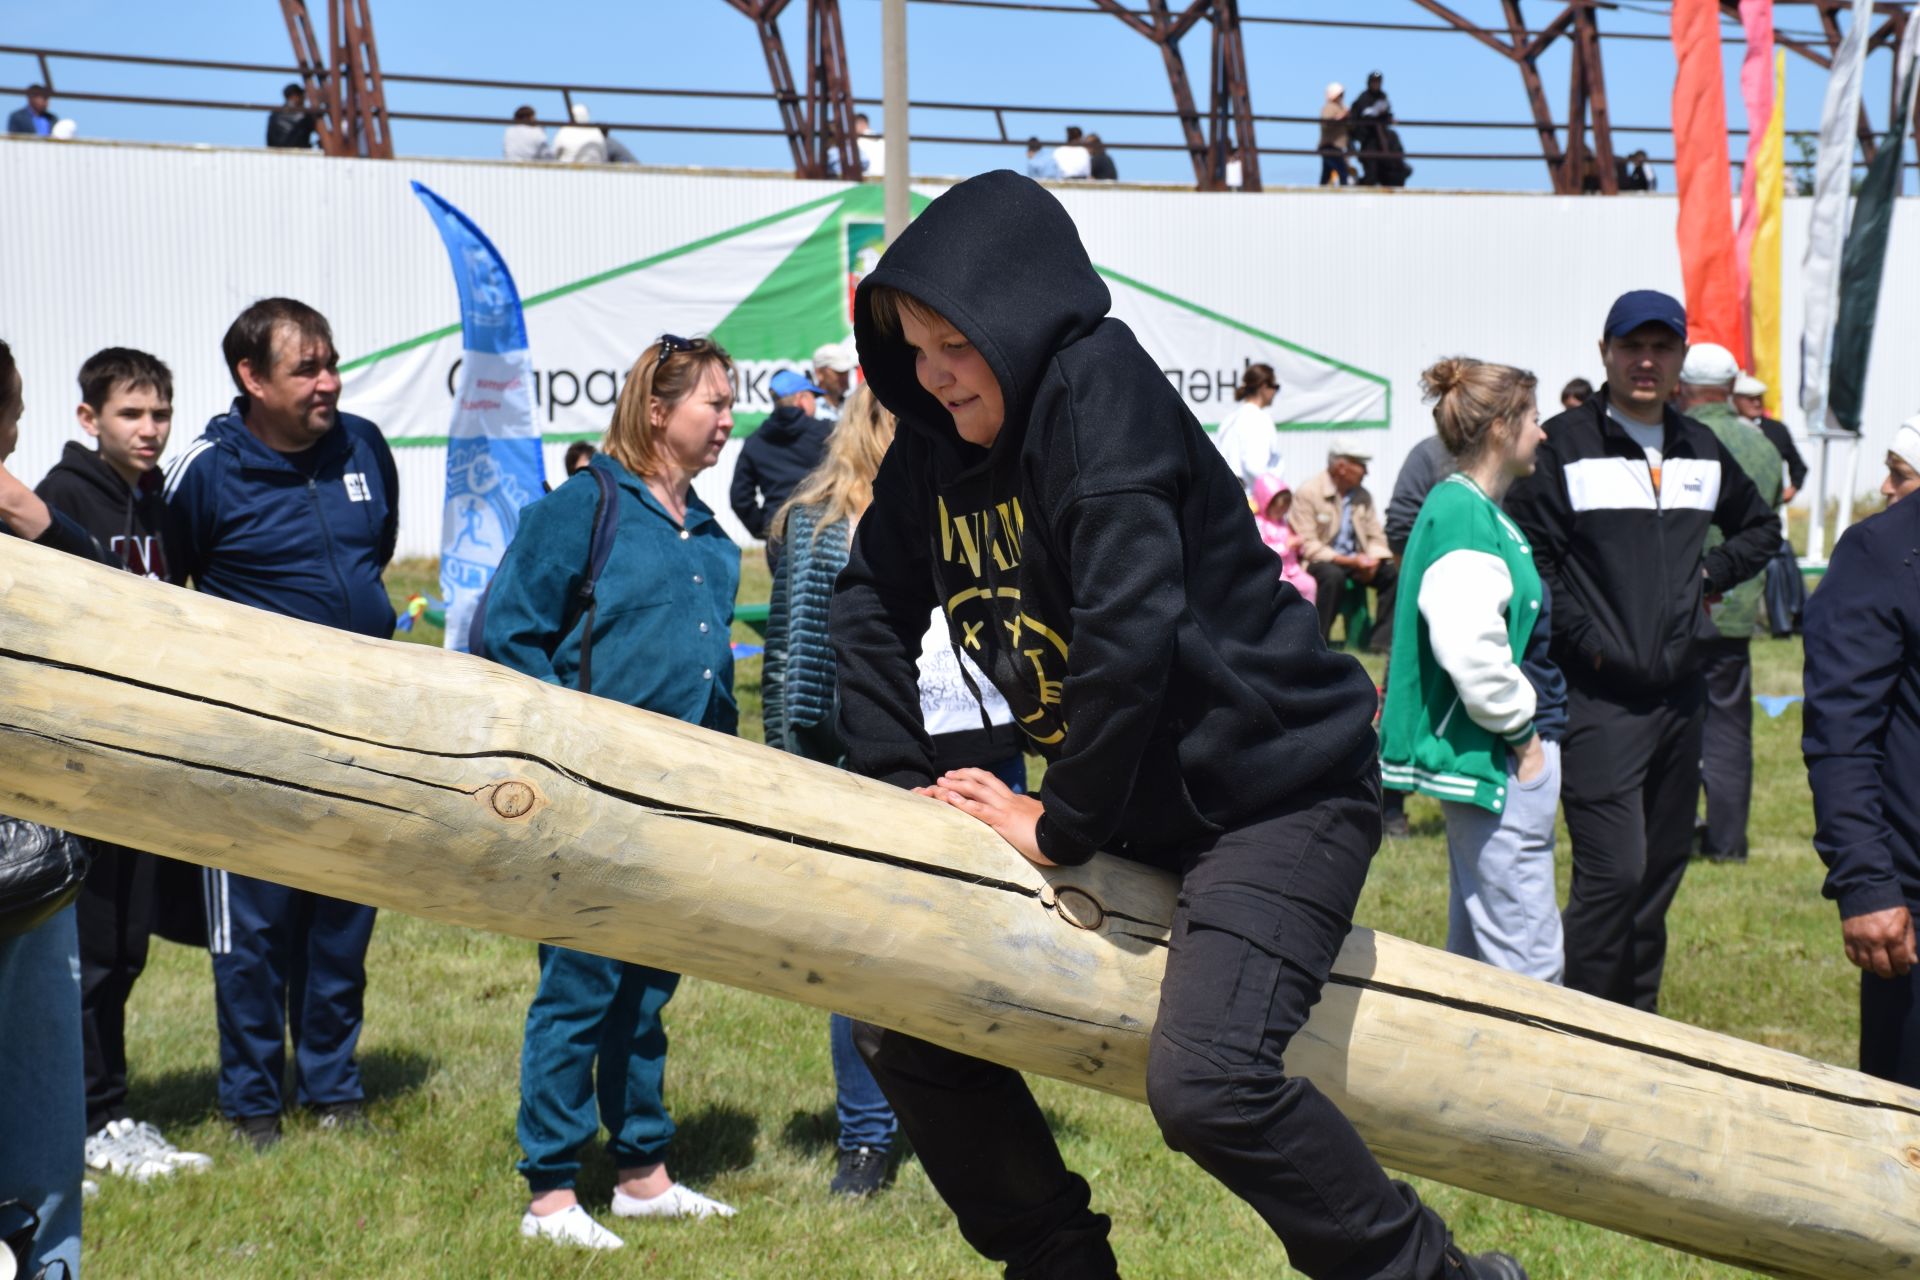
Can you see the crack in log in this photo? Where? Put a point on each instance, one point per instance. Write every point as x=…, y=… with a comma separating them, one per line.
x=1617, y=1042
x=70, y=740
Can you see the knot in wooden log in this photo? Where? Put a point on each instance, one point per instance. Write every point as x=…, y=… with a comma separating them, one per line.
x=513, y=799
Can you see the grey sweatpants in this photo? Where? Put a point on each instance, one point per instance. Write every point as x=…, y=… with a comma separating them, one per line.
x=1501, y=904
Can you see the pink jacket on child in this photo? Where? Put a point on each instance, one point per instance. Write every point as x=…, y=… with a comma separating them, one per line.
x=1284, y=541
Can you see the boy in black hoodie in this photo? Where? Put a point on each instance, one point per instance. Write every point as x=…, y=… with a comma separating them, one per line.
x=1095, y=557
x=114, y=493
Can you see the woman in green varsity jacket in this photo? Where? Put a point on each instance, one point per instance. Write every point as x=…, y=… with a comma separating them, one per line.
x=1479, y=726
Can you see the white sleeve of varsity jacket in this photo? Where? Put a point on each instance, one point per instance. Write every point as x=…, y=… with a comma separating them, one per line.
x=1463, y=597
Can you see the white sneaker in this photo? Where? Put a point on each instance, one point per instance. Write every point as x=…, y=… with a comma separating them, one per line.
x=675, y=1202
x=572, y=1225
x=165, y=1151
x=120, y=1149
x=89, y=1188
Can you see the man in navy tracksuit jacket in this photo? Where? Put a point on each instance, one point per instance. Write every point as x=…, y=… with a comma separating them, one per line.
x=288, y=505
x=1618, y=508
x=1862, y=743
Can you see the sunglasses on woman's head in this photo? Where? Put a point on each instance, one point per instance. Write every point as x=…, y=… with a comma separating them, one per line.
x=672, y=342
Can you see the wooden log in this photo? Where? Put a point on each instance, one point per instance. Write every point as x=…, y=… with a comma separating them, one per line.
x=450, y=788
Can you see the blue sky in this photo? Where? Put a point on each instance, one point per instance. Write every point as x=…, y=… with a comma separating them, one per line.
x=1074, y=61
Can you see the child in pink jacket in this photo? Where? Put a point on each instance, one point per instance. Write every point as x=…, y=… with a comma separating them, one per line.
x=1271, y=499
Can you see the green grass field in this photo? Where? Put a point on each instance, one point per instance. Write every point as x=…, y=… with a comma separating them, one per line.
x=432, y=1192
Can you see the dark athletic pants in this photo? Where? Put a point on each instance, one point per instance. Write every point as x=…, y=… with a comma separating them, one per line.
x=114, y=912
x=1890, y=1028
x=1262, y=911
x=286, y=963
x=1630, y=787
x=1330, y=578
x=1726, y=753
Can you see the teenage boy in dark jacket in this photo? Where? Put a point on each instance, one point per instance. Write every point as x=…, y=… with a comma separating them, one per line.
x=113, y=492
x=1618, y=510
x=291, y=506
x=1094, y=556
x=1862, y=743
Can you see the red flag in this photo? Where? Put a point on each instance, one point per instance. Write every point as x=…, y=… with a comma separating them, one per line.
x=1700, y=165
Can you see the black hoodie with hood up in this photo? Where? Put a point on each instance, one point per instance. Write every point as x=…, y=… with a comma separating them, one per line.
x=126, y=520
x=1098, y=561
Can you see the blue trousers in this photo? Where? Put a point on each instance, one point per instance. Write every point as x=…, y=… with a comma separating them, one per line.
x=286, y=961
x=594, y=1021
x=42, y=1091
x=865, y=1118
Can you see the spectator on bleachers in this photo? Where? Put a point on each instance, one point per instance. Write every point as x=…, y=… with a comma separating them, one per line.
x=870, y=146
x=526, y=140
x=617, y=152
x=1634, y=174
x=37, y=116
x=1335, y=139
x=1100, y=166
x=580, y=142
x=291, y=128
x=1071, y=159
x=1040, y=165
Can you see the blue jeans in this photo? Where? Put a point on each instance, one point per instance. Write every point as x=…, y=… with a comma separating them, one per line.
x=593, y=1011
x=865, y=1118
x=42, y=1091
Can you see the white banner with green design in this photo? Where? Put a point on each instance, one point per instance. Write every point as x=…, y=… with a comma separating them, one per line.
x=775, y=289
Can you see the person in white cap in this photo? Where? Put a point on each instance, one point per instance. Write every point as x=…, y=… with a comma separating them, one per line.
x=1334, y=139
x=580, y=142
x=1707, y=382
x=1750, y=402
x=1903, y=462
x=1343, y=539
x=833, y=366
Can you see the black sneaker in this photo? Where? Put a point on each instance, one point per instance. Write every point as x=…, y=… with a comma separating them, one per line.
x=1482, y=1266
x=862, y=1172
x=342, y=1117
x=260, y=1132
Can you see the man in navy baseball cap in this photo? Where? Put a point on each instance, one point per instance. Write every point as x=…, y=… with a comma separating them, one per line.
x=778, y=455
x=1643, y=307
x=1637, y=516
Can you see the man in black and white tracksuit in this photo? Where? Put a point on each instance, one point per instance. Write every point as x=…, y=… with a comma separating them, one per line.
x=1618, y=511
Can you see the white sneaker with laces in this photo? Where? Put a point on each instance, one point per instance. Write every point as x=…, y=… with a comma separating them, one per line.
x=675, y=1202
x=165, y=1151
x=572, y=1225
x=119, y=1149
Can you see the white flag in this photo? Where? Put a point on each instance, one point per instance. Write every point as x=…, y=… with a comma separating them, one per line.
x=1832, y=202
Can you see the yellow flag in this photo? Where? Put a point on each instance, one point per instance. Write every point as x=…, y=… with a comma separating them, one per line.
x=1769, y=195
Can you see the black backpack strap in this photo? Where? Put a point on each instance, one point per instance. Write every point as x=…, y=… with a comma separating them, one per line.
x=606, y=526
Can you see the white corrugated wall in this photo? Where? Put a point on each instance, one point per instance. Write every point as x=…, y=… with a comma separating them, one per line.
x=159, y=247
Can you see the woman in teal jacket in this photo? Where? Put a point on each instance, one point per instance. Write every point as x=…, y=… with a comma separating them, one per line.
x=660, y=641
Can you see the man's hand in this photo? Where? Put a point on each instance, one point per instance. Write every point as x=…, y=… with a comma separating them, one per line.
x=1881, y=942
x=1786, y=494
x=1532, y=759
x=1014, y=818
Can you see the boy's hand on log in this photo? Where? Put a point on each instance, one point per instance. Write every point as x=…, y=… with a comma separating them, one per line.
x=1881, y=942
x=1014, y=818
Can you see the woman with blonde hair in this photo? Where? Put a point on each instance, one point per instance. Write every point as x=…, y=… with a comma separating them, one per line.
x=1476, y=709
x=595, y=1024
x=968, y=721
